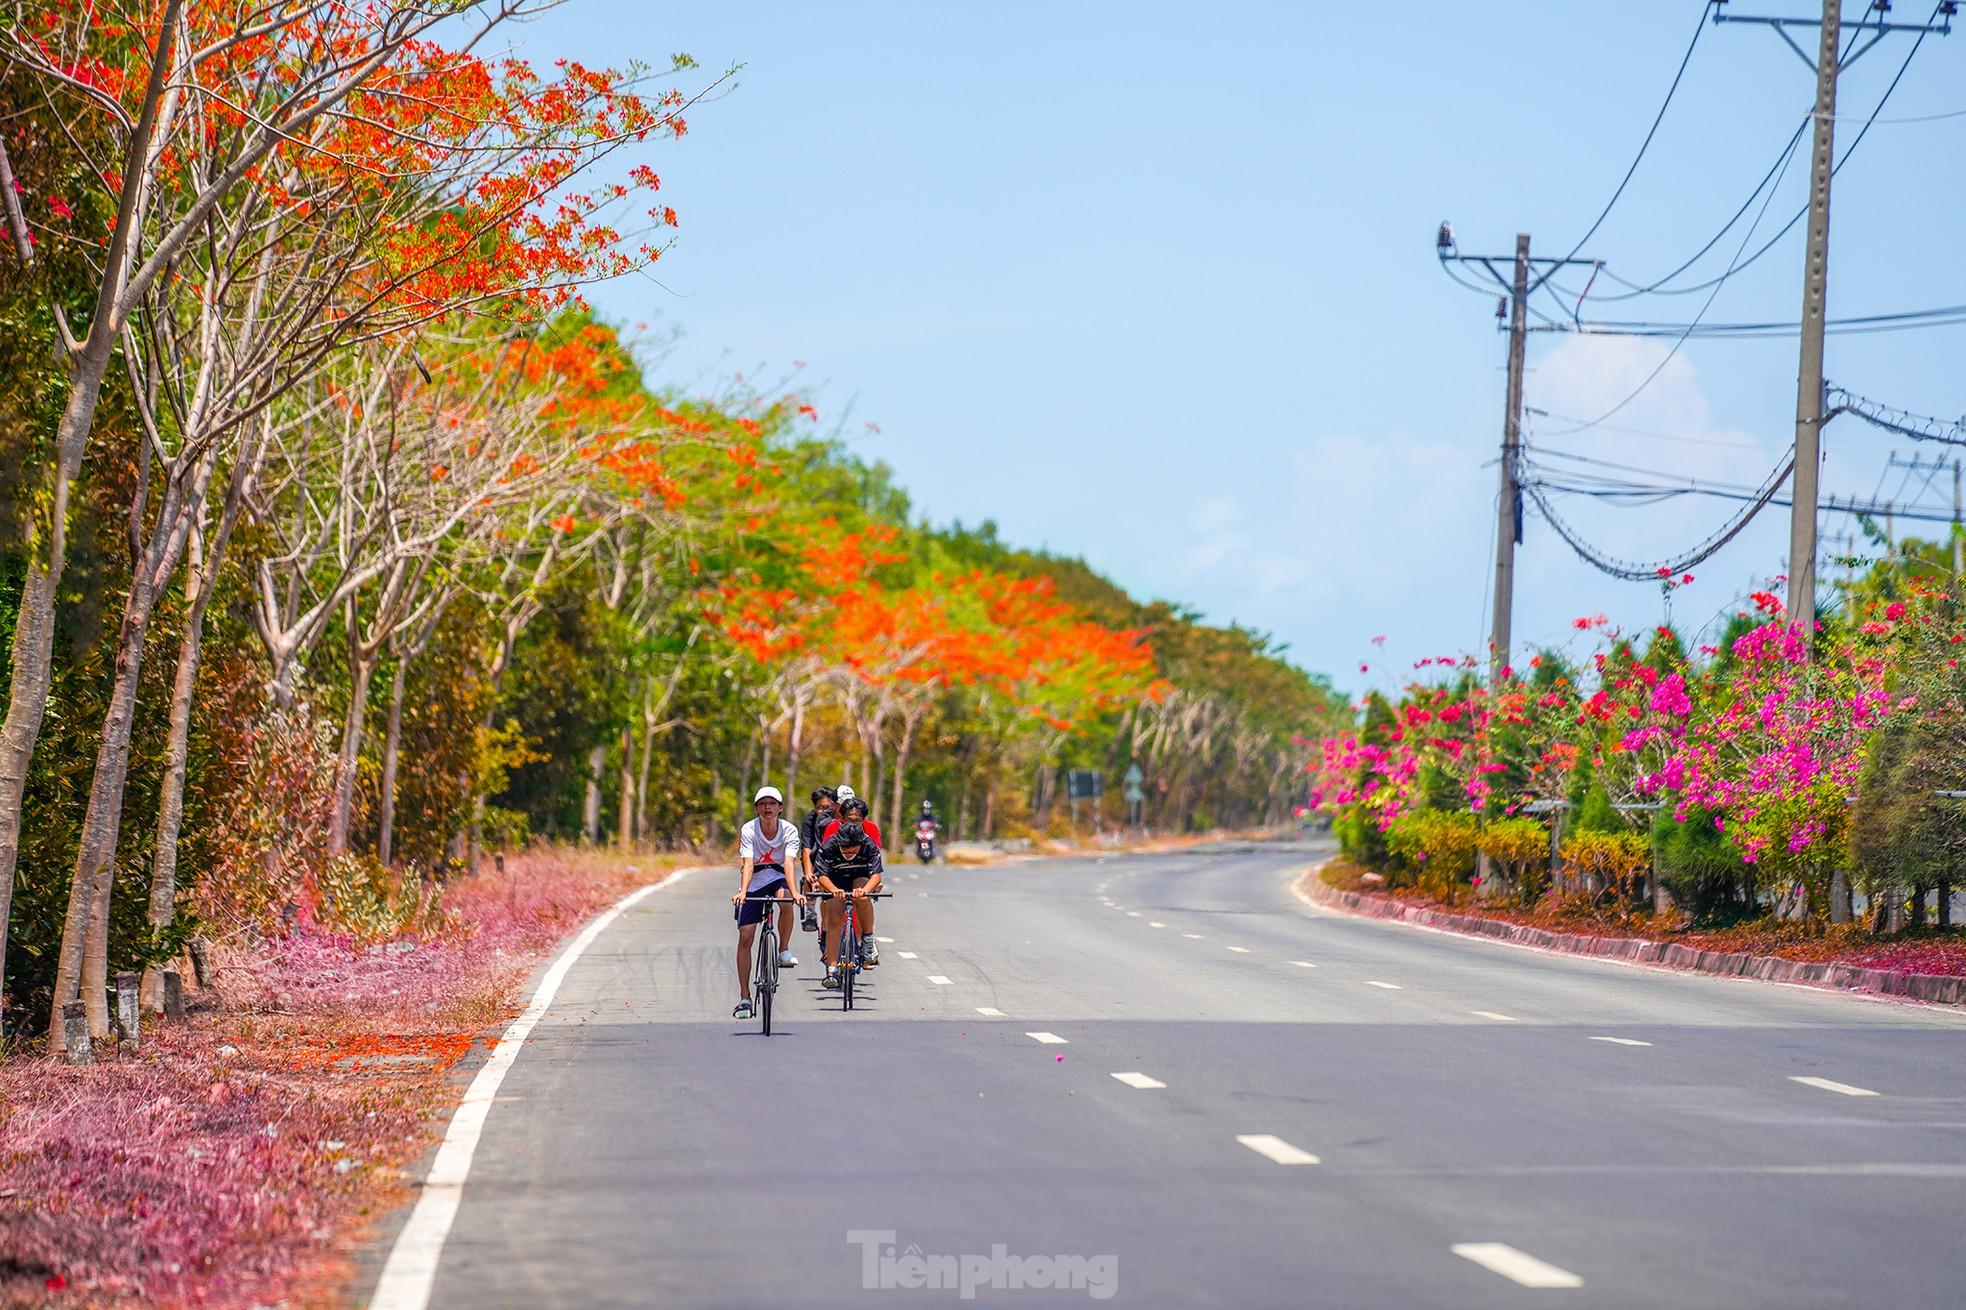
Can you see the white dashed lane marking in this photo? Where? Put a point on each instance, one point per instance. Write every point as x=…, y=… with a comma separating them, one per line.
x=1391, y=987
x=990, y=1010
x=1192, y=936
x=1621, y=1041
x=1830, y=1086
x=1276, y=1148
x=887, y=940
x=1047, y=1039
x=1304, y=964
x=1240, y=950
x=908, y=955
x=1516, y=1266
x=1133, y=914
x=939, y=980
x=1490, y=1014
x=1155, y=923
x=1140, y=1080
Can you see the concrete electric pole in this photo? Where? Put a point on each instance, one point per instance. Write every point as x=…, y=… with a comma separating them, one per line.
x=1508, y=504
x=1830, y=61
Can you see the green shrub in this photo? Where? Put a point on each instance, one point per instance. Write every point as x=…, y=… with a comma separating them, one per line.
x=1520, y=846
x=1435, y=847
x=1609, y=863
x=1704, y=875
x=365, y=898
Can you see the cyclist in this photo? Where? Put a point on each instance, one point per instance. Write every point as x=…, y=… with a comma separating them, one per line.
x=765, y=849
x=849, y=865
x=854, y=810
x=824, y=801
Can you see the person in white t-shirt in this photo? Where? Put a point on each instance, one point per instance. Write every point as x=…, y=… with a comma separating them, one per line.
x=766, y=849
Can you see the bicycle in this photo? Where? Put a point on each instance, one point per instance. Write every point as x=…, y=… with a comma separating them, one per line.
x=850, y=946
x=764, y=980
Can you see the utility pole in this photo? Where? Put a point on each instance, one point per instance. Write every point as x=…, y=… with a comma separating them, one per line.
x=1815, y=292
x=1508, y=504
x=1527, y=278
x=1829, y=62
x=1958, y=541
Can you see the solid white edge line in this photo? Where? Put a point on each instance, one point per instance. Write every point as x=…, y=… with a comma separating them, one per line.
x=1139, y=1080
x=1829, y=1085
x=1516, y=1266
x=1275, y=1148
x=1048, y=1039
x=411, y=1269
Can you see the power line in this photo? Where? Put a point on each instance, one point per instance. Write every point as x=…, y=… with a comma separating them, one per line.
x=1633, y=571
x=1889, y=418
x=1653, y=376
x=1659, y=286
x=1699, y=27
x=1903, y=320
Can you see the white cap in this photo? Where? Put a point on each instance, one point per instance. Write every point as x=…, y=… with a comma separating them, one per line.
x=768, y=794
x=845, y=793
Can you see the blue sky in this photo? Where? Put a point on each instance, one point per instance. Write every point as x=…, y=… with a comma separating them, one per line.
x=1154, y=284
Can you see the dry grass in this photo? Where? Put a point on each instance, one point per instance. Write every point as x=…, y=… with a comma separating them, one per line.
x=238, y=1159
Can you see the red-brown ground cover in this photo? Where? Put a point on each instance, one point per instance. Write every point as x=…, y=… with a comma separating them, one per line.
x=1940, y=951
x=237, y=1160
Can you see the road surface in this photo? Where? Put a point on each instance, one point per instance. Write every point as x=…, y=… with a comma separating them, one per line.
x=1258, y=1104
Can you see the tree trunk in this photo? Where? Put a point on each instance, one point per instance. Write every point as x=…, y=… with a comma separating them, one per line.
x=392, y=740
x=642, y=779
x=873, y=793
x=201, y=576
x=794, y=740
x=82, y=971
x=34, y=628
x=170, y=802
x=590, y=810
x=989, y=813
x=361, y=669
x=625, y=821
x=909, y=727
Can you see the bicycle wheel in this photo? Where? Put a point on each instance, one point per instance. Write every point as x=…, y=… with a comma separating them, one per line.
x=849, y=966
x=765, y=991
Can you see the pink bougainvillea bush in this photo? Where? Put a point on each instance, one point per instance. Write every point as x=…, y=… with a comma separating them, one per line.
x=235, y=1160
x=1754, y=761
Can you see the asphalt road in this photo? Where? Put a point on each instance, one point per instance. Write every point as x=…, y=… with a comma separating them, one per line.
x=1481, y=1118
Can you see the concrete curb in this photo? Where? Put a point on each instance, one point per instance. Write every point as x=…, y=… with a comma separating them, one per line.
x=1935, y=988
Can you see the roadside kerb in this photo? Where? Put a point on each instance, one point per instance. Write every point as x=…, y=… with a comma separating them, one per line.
x=1936, y=988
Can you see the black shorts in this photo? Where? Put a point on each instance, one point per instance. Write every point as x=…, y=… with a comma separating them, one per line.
x=850, y=885
x=751, y=911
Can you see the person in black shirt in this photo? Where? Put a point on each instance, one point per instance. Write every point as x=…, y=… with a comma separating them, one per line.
x=848, y=864
x=824, y=800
